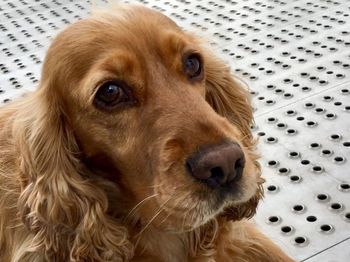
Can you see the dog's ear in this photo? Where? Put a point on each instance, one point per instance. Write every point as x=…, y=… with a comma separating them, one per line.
x=63, y=209
x=226, y=96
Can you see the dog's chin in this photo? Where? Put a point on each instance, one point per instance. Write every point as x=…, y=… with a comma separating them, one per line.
x=241, y=210
x=232, y=208
x=178, y=225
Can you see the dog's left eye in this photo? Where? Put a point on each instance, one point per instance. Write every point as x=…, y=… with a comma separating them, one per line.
x=193, y=66
x=111, y=94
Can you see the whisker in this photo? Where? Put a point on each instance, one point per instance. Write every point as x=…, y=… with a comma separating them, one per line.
x=170, y=212
x=134, y=209
x=160, y=209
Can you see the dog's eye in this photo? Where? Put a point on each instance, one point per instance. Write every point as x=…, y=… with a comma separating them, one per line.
x=193, y=66
x=111, y=94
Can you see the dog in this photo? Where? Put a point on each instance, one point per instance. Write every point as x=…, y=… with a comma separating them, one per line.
x=135, y=147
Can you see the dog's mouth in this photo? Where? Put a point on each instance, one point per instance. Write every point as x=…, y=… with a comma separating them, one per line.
x=190, y=211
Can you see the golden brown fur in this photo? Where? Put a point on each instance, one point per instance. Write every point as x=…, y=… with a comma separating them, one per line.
x=82, y=184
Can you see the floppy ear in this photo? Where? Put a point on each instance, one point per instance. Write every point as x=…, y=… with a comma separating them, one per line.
x=226, y=96
x=64, y=211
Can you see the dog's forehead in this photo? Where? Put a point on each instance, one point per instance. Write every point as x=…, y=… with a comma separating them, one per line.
x=140, y=31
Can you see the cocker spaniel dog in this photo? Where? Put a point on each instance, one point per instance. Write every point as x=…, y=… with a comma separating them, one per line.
x=135, y=147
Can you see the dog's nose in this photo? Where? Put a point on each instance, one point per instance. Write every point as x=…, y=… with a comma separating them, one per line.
x=217, y=165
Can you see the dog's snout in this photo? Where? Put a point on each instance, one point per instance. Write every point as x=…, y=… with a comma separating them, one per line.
x=217, y=165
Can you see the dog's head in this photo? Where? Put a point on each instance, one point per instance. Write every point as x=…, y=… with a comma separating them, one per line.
x=156, y=113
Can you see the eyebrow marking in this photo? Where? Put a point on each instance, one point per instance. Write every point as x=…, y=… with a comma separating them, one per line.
x=119, y=62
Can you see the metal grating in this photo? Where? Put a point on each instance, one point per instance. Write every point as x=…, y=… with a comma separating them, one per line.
x=295, y=57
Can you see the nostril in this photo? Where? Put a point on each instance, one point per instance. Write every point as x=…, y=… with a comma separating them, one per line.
x=239, y=164
x=189, y=167
x=217, y=175
x=216, y=172
x=238, y=170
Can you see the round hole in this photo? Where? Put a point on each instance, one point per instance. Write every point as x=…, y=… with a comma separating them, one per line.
x=339, y=160
x=336, y=207
x=344, y=187
x=286, y=230
x=322, y=197
x=326, y=152
x=300, y=241
x=311, y=124
x=305, y=162
x=330, y=116
x=272, y=163
x=309, y=105
x=317, y=169
x=328, y=98
x=274, y=220
x=345, y=91
x=283, y=171
x=315, y=145
x=287, y=80
x=319, y=110
x=270, y=102
x=272, y=189
x=300, y=118
x=295, y=179
x=347, y=217
x=311, y=218
x=323, y=82
x=293, y=154
x=288, y=95
x=299, y=209
x=271, y=140
x=261, y=134
x=281, y=126
x=335, y=137
x=291, y=113
x=271, y=120
x=291, y=132
x=346, y=144
x=305, y=89
x=326, y=228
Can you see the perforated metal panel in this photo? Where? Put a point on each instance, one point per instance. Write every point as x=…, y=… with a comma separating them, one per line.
x=295, y=57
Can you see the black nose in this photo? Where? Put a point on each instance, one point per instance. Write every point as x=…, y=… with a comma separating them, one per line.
x=217, y=165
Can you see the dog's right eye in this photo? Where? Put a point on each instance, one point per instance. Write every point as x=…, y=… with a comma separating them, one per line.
x=192, y=66
x=112, y=94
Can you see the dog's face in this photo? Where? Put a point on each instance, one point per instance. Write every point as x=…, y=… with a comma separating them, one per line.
x=139, y=94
